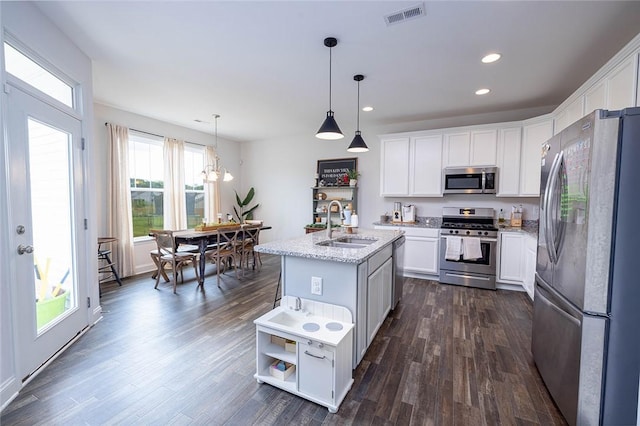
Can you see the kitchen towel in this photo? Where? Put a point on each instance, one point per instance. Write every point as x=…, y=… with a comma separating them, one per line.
x=454, y=248
x=471, y=248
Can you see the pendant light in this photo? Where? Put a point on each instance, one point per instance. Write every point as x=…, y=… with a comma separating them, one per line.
x=329, y=129
x=213, y=172
x=357, y=144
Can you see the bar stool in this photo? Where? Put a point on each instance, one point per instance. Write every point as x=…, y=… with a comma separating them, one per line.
x=105, y=265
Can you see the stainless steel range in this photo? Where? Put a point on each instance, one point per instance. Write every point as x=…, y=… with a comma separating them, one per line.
x=468, y=244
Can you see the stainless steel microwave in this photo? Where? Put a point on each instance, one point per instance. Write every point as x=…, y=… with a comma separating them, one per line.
x=470, y=180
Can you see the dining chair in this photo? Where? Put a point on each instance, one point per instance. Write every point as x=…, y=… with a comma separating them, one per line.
x=169, y=256
x=226, y=252
x=250, y=238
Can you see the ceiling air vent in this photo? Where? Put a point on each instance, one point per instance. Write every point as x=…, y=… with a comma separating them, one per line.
x=405, y=15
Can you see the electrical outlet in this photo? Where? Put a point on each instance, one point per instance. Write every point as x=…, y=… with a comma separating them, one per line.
x=316, y=285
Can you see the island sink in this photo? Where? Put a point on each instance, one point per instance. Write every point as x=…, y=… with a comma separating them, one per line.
x=356, y=240
x=348, y=242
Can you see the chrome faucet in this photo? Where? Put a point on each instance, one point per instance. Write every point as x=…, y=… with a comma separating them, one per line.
x=298, y=304
x=329, y=215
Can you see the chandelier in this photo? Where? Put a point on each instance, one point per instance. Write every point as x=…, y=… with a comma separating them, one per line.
x=213, y=172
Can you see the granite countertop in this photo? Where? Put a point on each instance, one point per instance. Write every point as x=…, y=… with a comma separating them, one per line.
x=528, y=227
x=306, y=246
x=421, y=222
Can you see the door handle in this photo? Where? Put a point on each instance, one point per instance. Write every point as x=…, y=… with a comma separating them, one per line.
x=315, y=356
x=22, y=249
x=550, y=188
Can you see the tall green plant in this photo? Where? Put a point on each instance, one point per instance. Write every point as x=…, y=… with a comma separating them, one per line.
x=243, y=214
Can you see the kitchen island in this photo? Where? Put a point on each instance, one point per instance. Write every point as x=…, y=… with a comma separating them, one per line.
x=351, y=270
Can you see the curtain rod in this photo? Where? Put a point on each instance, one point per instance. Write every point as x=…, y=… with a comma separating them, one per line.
x=160, y=136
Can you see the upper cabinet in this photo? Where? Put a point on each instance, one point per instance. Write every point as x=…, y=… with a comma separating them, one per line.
x=472, y=148
x=411, y=166
x=508, y=161
x=570, y=114
x=617, y=89
x=425, y=166
x=534, y=134
x=394, y=166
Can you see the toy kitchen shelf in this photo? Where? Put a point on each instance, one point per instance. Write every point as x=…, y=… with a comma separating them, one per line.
x=344, y=193
x=313, y=348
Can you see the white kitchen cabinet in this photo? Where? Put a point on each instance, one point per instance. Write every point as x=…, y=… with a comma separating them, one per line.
x=425, y=170
x=596, y=96
x=530, y=253
x=456, y=149
x=573, y=112
x=616, y=90
x=621, y=90
x=511, y=266
x=394, y=167
x=534, y=134
x=508, y=161
x=411, y=166
x=483, y=148
x=421, y=249
x=378, y=298
x=472, y=148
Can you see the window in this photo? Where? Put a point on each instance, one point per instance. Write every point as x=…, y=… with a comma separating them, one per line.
x=146, y=166
x=194, y=188
x=24, y=68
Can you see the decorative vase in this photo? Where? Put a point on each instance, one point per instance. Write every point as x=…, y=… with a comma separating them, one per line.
x=353, y=182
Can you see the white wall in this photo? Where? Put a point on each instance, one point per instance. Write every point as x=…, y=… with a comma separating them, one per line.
x=229, y=153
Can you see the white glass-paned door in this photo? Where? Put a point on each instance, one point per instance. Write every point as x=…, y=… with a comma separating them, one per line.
x=46, y=214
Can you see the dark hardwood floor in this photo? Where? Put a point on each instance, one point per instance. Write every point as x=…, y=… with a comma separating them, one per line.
x=447, y=355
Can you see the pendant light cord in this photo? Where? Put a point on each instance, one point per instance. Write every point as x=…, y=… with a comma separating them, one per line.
x=358, y=119
x=330, y=49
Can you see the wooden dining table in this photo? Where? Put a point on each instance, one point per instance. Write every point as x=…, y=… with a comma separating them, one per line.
x=203, y=239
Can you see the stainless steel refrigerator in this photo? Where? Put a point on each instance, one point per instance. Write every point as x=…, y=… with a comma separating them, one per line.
x=586, y=318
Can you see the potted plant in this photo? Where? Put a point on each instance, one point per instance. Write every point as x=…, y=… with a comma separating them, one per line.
x=243, y=214
x=353, y=177
x=50, y=299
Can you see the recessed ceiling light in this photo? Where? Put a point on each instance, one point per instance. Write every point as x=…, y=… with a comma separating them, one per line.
x=491, y=57
x=482, y=91
x=367, y=108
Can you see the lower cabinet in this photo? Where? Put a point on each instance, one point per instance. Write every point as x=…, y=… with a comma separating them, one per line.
x=421, y=249
x=511, y=255
x=378, y=298
x=530, y=253
x=517, y=265
x=421, y=253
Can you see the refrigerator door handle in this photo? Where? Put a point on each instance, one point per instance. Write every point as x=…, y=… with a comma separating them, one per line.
x=549, y=233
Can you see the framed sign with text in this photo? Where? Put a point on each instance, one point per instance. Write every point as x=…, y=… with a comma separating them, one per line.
x=332, y=172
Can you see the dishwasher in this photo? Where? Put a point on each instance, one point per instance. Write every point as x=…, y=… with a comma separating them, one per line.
x=398, y=271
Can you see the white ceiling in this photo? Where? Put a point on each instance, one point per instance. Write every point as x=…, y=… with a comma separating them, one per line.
x=264, y=68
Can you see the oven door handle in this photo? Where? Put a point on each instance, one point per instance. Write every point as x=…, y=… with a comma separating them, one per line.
x=475, y=277
x=482, y=240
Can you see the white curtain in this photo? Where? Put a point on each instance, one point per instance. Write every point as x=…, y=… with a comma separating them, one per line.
x=119, y=220
x=175, y=204
x=212, y=190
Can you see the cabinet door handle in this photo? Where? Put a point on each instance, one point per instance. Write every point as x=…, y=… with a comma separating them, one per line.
x=315, y=356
